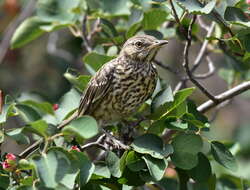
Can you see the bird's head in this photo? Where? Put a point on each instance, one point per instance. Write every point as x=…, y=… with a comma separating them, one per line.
x=142, y=47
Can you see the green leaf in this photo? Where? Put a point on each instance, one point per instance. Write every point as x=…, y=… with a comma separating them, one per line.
x=113, y=163
x=155, y=166
x=95, y=60
x=134, y=161
x=27, y=113
x=8, y=111
x=166, y=108
x=39, y=127
x=186, y=148
x=152, y=145
x=79, y=82
x=153, y=19
x=184, y=160
x=40, y=107
x=18, y=136
x=55, y=168
x=131, y=178
x=204, y=166
x=69, y=102
x=108, y=28
x=1, y=136
x=195, y=7
x=223, y=156
x=84, y=127
x=101, y=170
x=29, y=30
x=58, y=11
x=85, y=165
x=133, y=30
x=168, y=183
x=4, y=182
x=162, y=97
x=115, y=7
x=192, y=109
x=157, y=127
x=235, y=14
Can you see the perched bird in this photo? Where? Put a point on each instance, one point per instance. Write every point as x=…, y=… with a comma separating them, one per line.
x=123, y=84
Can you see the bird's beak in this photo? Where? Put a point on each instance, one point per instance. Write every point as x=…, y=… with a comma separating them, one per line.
x=158, y=43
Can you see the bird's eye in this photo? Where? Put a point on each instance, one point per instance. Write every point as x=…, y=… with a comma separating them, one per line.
x=138, y=44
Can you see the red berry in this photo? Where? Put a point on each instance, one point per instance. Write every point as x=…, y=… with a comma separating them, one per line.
x=10, y=156
x=8, y=167
x=55, y=107
x=248, y=1
x=75, y=148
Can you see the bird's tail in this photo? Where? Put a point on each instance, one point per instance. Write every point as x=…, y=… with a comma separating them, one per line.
x=68, y=120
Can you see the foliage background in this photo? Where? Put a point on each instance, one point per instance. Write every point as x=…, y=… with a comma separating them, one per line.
x=37, y=70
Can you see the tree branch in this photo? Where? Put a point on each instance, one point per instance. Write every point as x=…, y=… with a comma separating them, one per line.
x=224, y=96
x=86, y=42
x=211, y=70
x=97, y=143
x=182, y=29
x=199, y=58
x=202, y=51
x=166, y=67
x=186, y=63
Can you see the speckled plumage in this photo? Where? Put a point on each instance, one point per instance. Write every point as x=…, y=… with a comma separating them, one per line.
x=122, y=84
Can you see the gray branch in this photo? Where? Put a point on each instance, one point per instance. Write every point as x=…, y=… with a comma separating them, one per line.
x=186, y=63
x=229, y=94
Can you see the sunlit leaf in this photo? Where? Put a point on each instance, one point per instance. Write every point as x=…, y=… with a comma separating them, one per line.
x=84, y=127
x=27, y=32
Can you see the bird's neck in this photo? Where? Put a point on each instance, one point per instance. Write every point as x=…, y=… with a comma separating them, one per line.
x=134, y=61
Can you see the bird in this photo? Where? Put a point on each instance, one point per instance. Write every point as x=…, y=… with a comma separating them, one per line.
x=123, y=84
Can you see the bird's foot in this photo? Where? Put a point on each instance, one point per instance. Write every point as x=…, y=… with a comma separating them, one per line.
x=114, y=143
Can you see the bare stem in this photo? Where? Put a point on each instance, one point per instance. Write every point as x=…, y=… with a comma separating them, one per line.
x=186, y=63
x=199, y=58
x=182, y=29
x=97, y=143
x=229, y=94
x=86, y=42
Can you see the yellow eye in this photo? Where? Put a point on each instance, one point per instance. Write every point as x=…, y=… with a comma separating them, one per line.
x=138, y=44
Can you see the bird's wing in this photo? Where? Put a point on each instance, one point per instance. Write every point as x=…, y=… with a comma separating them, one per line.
x=97, y=88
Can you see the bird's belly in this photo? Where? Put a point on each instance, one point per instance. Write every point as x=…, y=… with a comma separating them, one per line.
x=125, y=97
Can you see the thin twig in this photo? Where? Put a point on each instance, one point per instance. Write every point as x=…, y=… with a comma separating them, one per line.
x=30, y=149
x=97, y=143
x=202, y=51
x=166, y=67
x=182, y=29
x=96, y=29
x=222, y=21
x=5, y=43
x=86, y=42
x=199, y=58
x=211, y=70
x=224, y=96
x=202, y=24
x=186, y=62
